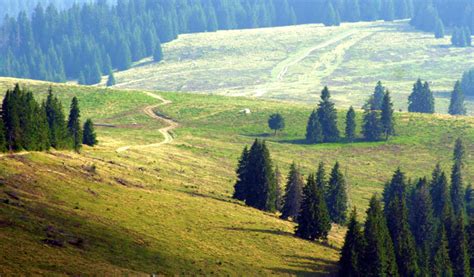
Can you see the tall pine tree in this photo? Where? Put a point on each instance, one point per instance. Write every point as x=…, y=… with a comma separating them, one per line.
x=293, y=194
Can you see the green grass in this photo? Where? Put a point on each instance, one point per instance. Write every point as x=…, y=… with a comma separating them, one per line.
x=168, y=209
x=350, y=59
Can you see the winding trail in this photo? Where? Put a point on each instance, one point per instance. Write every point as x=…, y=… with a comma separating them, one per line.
x=165, y=131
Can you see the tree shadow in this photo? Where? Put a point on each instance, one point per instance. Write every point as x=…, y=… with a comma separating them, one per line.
x=264, y=231
x=261, y=135
x=309, y=266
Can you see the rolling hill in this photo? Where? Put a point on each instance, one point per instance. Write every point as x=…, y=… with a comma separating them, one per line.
x=136, y=205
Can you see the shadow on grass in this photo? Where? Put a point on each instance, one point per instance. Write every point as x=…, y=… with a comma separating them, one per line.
x=308, y=266
x=263, y=231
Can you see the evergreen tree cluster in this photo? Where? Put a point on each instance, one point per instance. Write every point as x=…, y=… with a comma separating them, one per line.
x=86, y=41
x=421, y=100
x=378, y=121
x=27, y=125
x=322, y=123
x=467, y=83
x=434, y=16
x=424, y=228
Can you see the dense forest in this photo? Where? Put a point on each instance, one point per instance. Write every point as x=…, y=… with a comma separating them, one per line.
x=84, y=42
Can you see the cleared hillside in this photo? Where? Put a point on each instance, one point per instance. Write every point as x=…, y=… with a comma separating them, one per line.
x=293, y=63
x=167, y=208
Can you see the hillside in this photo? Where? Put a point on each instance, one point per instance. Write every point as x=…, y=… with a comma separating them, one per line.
x=166, y=208
x=293, y=63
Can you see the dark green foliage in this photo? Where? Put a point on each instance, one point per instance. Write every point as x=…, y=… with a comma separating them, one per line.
x=328, y=117
x=321, y=181
x=461, y=37
x=457, y=189
x=350, y=124
x=421, y=99
x=372, y=127
x=158, y=53
x=337, y=196
x=293, y=194
x=3, y=142
x=458, y=249
x=89, y=137
x=378, y=253
x=111, y=80
x=57, y=123
x=439, y=29
x=396, y=212
x=422, y=224
x=240, y=187
x=276, y=122
x=260, y=178
x=456, y=105
x=74, y=125
x=470, y=241
x=350, y=263
x=376, y=100
x=278, y=192
x=441, y=265
x=313, y=219
x=386, y=118
x=440, y=194
x=10, y=116
x=314, y=132
x=469, y=200
x=467, y=82
x=459, y=151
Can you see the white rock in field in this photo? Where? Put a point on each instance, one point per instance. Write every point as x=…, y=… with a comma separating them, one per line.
x=245, y=111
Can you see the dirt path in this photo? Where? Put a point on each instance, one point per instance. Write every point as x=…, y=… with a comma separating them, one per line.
x=165, y=131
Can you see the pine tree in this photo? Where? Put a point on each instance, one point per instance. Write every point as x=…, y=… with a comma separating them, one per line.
x=293, y=194
x=396, y=213
x=376, y=100
x=386, y=119
x=470, y=241
x=158, y=52
x=330, y=18
x=439, y=29
x=422, y=224
x=328, y=117
x=3, y=142
x=337, y=196
x=321, y=181
x=350, y=263
x=350, y=124
x=111, y=80
x=89, y=137
x=469, y=200
x=260, y=178
x=388, y=10
x=456, y=105
x=313, y=219
x=372, y=127
x=278, y=192
x=74, y=125
x=314, y=132
x=440, y=194
x=276, y=122
x=441, y=265
x=459, y=151
x=421, y=99
x=11, y=119
x=457, y=190
x=241, y=186
x=58, y=134
x=379, y=256
x=459, y=249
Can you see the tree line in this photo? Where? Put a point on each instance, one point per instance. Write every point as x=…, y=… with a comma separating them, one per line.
x=434, y=16
x=85, y=42
x=421, y=228
x=28, y=125
x=313, y=206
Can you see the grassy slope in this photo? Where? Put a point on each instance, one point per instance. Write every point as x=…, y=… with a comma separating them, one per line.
x=168, y=209
x=350, y=59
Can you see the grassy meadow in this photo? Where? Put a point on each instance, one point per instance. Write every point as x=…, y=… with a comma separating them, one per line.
x=294, y=63
x=168, y=209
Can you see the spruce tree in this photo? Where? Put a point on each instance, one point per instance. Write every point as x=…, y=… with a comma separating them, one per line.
x=459, y=151
x=441, y=265
x=470, y=241
x=11, y=119
x=378, y=256
x=3, y=142
x=372, y=127
x=314, y=132
x=459, y=249
x=261, y=193
x=456, y=105
x=457, y=189
x=276, y=122
x=158, y=53
x=440, y=194
x=337, y=196
x=421, y=99
x=376, y=100
x=89, y=137
x=111, y=80
x=321, y=181
x=386, y=119
x=278, y=192
x=241, y=186
x=469, y=200
x=74, y=125
x=350, y=263
x=313, y=219
x=293, y=194
x=328, y=117
x=58, y=134
x=350, y=124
